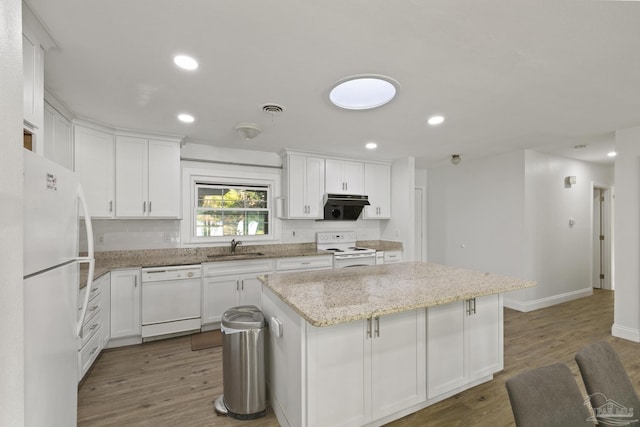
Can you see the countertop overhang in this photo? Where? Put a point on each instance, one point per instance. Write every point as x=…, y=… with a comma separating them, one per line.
x=329, y=297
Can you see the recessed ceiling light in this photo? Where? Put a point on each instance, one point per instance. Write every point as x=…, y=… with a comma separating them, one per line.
x=185, y=62
x=371, y=145
x=435, y=120
x=363, y=92
x=186, y=118
x=612, y=154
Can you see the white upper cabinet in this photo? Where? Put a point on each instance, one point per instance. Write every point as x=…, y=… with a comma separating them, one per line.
x=147, y=178
x=303, y=186
x=57, y=138
x=377, y=185
x=35, y=41
x=344, y=177
x=95, y=166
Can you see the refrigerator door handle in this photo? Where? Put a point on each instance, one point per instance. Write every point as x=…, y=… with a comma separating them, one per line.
x=89, y=258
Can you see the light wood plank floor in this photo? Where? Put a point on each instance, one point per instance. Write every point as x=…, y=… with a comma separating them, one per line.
x=164, y=383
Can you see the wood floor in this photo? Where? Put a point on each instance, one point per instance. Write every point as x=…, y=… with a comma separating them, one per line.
x=164, y=383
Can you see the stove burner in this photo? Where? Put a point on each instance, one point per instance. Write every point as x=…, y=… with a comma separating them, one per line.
x=334, y=250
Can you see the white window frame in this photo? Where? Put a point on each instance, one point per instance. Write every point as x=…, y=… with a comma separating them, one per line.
x=190, y=179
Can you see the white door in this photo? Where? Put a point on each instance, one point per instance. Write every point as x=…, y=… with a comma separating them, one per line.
x=419, y=225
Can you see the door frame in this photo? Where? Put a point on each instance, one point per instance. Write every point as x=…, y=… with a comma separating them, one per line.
x=608, y=282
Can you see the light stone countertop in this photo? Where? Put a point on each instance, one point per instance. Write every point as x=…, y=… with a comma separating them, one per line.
x=113, y=260
x=330, y=297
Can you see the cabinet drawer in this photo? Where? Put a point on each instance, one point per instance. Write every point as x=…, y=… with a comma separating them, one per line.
x=87, y=355
x=304, y=263
x=95, y=303
x=95, y=291
x=90, y=328
x=236, y=267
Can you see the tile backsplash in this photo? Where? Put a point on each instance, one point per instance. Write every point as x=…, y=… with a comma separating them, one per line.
x=132, y=234
x=136, y=234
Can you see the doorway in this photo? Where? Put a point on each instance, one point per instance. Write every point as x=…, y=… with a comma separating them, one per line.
x=602, y=237
x=419, y=241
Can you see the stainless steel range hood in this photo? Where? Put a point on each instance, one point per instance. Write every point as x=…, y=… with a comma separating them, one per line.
x=344, y=207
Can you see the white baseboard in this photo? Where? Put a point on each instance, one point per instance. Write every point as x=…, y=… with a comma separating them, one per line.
x=526, y=306
x=625, y=332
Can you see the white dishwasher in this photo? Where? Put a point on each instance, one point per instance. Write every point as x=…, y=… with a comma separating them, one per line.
x=171, y=300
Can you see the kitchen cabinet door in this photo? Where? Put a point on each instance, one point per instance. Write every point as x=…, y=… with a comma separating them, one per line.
x=304, y=186
x=445, y=348
x=398, y=362
x=339, y=375
x=344, y=177
x=33, y=88
x=250, y=291
x=164, y=179
x=218, y=295
x=105, y=295
x=132, y=162
x=464, y=343
x=57, y=139
x=147, y=178
x=125, y=303
x=486, y=337
x=377, y=185
x=95, y=166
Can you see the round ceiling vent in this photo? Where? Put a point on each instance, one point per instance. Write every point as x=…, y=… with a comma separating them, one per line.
x=272, y=108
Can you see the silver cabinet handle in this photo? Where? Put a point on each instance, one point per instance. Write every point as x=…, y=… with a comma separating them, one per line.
x=474, y=305
x=242, y=284
x=93, y=350
x=377, y=326
x=237, y=285
x=135, y=281
x=95, y=325
x=144, y=207
x=369, y=327
x=149, y=206
x=110, y=206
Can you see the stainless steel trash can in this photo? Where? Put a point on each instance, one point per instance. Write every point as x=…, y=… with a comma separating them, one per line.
x=243, y=365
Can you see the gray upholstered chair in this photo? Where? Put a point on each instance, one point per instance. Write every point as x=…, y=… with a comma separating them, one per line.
x=549, y=397
x=608, y=384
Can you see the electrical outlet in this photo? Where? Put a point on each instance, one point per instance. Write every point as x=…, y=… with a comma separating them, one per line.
x=100, y=239
x=293, y=233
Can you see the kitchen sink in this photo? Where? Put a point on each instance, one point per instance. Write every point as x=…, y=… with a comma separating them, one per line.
x=237, y=256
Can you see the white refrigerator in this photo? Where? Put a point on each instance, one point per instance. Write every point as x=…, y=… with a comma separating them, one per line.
x=52, y=197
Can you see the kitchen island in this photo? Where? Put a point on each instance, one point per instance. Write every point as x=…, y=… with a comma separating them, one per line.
x=367, y=345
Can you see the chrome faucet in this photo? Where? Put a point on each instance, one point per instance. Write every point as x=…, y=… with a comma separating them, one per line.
x=234, y=244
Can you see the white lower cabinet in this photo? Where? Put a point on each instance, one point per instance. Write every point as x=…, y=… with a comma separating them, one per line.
x=229, y=284
x=464, y=344
x=125, y=306
x=350, y=374
x=92, y=337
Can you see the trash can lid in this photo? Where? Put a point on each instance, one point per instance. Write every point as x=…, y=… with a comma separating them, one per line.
x=243, y=317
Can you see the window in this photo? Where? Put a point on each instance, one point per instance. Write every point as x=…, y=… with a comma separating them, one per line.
x=231, y=210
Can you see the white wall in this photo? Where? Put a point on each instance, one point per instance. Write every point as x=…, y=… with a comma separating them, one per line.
x=475, y=214
x=627, y=240
x=558, y=256
x=509, y=214
x=11, y=222
x=400, y=227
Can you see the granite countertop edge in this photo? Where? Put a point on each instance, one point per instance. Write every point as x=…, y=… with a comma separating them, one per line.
x=402, y=295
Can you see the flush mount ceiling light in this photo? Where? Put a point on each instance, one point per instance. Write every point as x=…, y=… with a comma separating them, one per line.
x=247, y=130
x=363, y=92
x=612, y=154
x=186, y=118
x=185, y=62
x=455, y=159
x=371, y=145
x=435, y=120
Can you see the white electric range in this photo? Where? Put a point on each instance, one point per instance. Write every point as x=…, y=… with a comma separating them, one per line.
x=345, y=251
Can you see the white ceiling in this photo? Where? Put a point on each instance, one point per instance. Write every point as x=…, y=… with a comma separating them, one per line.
x=507, y=75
